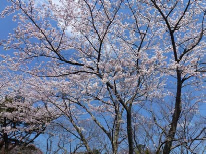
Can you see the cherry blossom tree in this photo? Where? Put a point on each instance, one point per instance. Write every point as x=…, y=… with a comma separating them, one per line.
x=187, y=43
x=97, y=53
x=110, y=61
x=21, y=123
x=22, y=118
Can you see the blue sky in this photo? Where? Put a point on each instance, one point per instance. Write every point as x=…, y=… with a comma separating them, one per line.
x=6, y=24
x=6, y=27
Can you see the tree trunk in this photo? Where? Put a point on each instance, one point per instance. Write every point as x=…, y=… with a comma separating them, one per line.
x=129, y=130
x=114, y=147
x=175, y=116
x=116, y=135
x=5, y=137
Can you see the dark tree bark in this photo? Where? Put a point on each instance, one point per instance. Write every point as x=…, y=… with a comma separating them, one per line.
x=5, y=137
x=175, y=116
x=130, y=130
